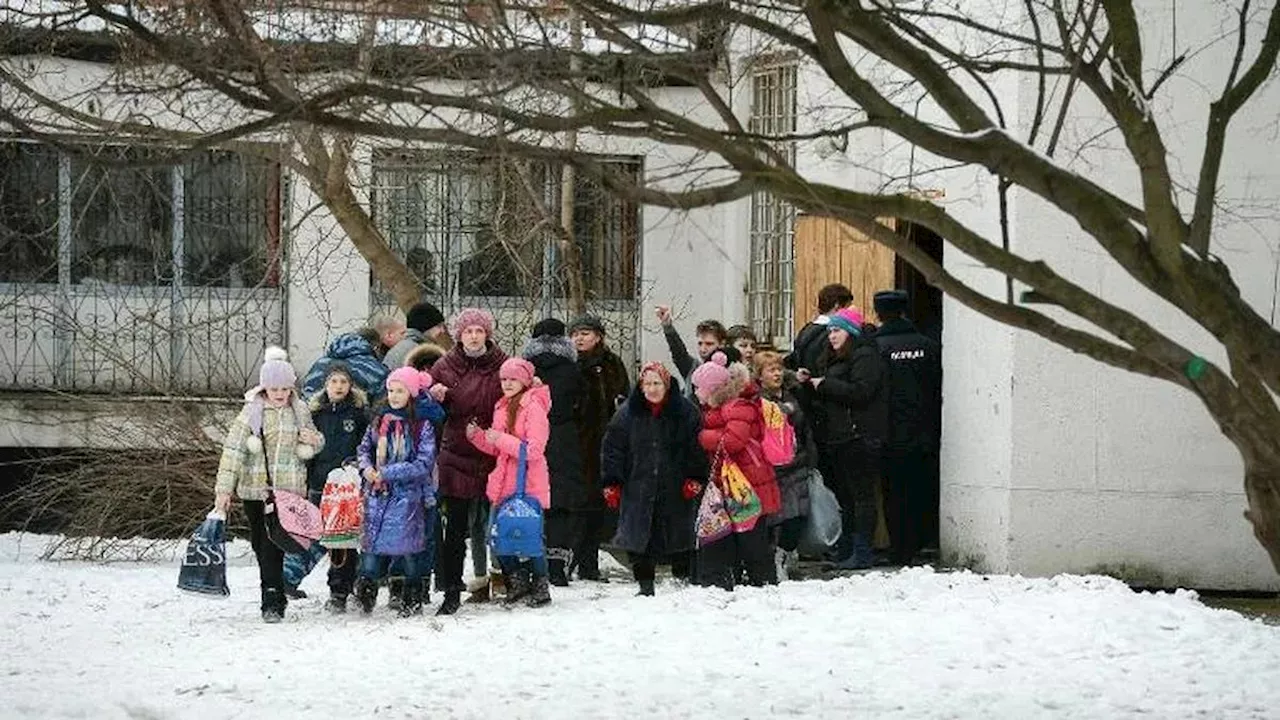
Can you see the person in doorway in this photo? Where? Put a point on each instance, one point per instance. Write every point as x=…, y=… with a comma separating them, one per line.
x=849, y=398
x=605, y=384
x=397, y=458
x=811, y=341
x=911, y=448
x=340, y=412
x=732, y=430
x=519, y=418
x=267, y=445
x=423, y=323
x=467, y=384
x=793, y=477
x=653, y=472
x=555, y=362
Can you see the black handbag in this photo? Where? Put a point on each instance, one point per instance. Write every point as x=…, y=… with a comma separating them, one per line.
x=303, y=514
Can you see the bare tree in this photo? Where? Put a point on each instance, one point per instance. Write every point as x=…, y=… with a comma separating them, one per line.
x=923, y=73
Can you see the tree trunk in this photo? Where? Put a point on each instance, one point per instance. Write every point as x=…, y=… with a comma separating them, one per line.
x=569, y=249
x=389, y=269
x=1262, y=487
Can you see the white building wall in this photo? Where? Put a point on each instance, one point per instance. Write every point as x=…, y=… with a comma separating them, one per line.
x=1052, y=462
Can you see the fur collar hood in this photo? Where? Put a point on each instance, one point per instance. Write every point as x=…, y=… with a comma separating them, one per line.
x=557, y=345
x=357, y=397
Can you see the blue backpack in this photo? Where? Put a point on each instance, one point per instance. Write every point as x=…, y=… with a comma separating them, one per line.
x=515, y=525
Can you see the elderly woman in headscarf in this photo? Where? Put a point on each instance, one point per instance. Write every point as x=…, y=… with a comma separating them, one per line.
x=653, y=471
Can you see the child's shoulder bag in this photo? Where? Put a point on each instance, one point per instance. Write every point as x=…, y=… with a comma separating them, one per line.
x=515, y=525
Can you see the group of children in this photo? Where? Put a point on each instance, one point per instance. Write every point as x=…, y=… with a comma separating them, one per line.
x=276, y=435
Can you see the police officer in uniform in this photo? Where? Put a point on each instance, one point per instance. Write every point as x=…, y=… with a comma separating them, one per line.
x=910, y=459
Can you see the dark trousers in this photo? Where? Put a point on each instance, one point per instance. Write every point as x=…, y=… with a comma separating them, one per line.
x=270, y=558
x=343, y=565
x=588, y=526
x=908, y=511
x=850, y=470
x=562, y=533
x=718, y=562
x=644, y=567
x=789, y=532
x=456, y=515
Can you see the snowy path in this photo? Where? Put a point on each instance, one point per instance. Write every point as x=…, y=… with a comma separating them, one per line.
x=118, y=641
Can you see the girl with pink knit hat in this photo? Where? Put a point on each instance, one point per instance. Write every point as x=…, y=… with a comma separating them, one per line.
x=397, y=457
x=520, y=417
x=268, y=443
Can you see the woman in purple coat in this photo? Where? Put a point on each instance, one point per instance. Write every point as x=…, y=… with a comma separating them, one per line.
x=396, y=458
x=467, y=384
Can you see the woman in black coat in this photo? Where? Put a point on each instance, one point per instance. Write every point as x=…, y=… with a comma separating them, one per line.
x=849, y=396
x=653, y=471
x=556, y=363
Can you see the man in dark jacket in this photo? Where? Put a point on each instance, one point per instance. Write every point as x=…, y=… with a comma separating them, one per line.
x=555, y=362
x=604, y=385
x=911, y=445
x=812, y=338
x=356, y=352
x=711, y=337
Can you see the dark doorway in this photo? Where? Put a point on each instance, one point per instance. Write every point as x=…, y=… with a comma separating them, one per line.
x=926, y=300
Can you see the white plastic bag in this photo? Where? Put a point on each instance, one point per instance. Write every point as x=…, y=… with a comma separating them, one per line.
x=822, y=526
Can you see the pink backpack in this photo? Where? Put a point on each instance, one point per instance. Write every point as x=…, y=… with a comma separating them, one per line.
x=779, y=440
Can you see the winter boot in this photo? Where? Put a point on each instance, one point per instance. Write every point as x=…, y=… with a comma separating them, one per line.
x=518, y=587
x=861, y=557
x=366, y=594
x=411, y=600
x=557, y=575
x=541, y=594
x=452, y=601
x=480, y=590
x=337, y=604
x=644, y=574
x=589, y=566
x=273, y=605
x=293, y=592
x=395, y=588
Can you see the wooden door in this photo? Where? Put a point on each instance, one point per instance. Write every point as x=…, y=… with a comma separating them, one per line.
x=829, y=251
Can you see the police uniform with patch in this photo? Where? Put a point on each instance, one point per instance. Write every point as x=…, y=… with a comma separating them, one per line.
x=911, y=445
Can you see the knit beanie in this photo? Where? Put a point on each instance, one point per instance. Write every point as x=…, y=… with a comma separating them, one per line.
x=423, y=316
x=587, y=322
x=415, y=381
x=549, y=326
x=337, y=367
x=848, y=319
x=472, y=317
x=276, y=371
x=517, y=369
x=653, y=366
x=711, y=375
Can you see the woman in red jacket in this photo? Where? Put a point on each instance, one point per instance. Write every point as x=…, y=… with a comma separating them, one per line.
x=732, y=429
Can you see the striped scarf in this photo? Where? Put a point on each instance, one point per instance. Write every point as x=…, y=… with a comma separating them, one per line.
x=395, y=438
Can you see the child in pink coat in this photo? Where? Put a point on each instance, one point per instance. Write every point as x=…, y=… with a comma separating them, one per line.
x=519, y=416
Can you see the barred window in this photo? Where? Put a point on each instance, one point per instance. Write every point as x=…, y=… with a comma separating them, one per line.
x=771, y=281
x=470, y=225
x=126, y=274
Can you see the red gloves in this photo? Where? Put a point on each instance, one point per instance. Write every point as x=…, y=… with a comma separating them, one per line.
x=690, y=489
x=612, y=496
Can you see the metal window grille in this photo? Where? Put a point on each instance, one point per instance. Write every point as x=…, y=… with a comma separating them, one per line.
x=770, y=284
x=470, y=231
x=133, y=277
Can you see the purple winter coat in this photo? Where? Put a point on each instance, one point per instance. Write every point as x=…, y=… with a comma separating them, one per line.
x=395, y=520
x=474, y=388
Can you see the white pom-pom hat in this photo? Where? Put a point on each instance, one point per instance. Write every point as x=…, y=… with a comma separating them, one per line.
x=276, y=371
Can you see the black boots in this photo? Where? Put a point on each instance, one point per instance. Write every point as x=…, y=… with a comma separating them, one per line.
x=366, y=594
x=452, y=601
x=337, y=604
x=395, y=592
x=273, y=605
x=411, y=600
x=518, y=586
x=558, y=576
x=541, y=594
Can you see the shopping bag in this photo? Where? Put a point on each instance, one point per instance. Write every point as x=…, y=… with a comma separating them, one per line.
x=779, y=440
x=740, y=499
x=204, y=566
x=713, y=521
x=822, y=525
x=341, y=511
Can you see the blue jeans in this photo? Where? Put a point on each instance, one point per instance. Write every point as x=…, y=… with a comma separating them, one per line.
x=427, y=559
x=510, y=563
x=373, y=566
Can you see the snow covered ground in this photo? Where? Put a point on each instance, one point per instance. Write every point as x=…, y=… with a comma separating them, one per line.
x=119, y=641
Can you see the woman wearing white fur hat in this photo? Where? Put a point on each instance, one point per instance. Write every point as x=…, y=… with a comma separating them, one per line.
x=273, y=433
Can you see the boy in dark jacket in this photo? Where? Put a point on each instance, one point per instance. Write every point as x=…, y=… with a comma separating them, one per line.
x=340, y=411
